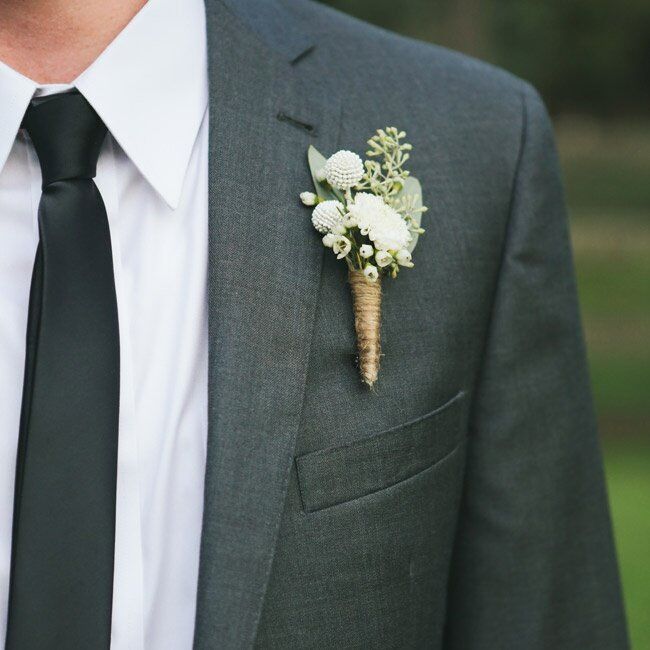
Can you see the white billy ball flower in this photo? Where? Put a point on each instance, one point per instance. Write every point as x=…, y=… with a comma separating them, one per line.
x=383, y=258
x=308, y=198
x=384, y=226
x=342, y=246
x=329, y=240
x=343, y=170
x=366, y=251
x=403, y=258
x=327, y=215
x=371, y=272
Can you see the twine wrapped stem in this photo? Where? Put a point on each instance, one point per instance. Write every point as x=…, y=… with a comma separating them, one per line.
x=366, y=305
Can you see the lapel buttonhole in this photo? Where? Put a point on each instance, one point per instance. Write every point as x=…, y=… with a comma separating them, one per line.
x=304, y=126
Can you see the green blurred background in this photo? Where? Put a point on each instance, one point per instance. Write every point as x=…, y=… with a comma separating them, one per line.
x=590, y=59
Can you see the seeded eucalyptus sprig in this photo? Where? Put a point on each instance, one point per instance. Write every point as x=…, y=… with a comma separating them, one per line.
x=386, y=178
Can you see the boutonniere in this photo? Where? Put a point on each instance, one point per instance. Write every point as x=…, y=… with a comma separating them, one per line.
x=368, y=213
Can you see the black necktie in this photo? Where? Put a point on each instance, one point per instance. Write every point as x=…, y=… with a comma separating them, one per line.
x=64, y=509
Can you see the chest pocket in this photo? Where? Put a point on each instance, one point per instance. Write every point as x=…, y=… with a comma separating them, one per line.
x=328, y=477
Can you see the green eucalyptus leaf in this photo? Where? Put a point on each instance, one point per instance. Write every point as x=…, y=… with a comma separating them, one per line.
x=316, y=162
x=412, y=187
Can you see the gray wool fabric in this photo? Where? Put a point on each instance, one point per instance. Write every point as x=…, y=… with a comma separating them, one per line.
x=460, y=504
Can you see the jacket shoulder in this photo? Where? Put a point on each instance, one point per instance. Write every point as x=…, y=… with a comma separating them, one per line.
x=355, y=49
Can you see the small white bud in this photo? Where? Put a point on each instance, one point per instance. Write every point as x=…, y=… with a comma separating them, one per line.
x=371, y=272
x=366, y=251
x=342, y=246
x=309, y=198
x=403, y=258
x=329, y=240
x=383, y=258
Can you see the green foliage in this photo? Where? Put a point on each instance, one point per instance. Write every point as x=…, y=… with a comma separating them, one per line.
x=590, y=56
x=628, y=480
x=614, y=285
x=586, y=55
x=607, y=172
x=316, y=162
x=412, y=193
x=606, y=166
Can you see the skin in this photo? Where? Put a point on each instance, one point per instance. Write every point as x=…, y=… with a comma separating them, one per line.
x=54, y=41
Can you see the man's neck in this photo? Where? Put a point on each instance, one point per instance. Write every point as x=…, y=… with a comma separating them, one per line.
x=54, y=41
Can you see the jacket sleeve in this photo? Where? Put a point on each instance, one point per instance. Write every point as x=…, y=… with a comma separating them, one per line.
x=534, y=563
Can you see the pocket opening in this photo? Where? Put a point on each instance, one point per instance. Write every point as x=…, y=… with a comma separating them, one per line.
x=343, y=473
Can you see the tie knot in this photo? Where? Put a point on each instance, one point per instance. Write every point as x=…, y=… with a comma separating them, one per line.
x=67, y=134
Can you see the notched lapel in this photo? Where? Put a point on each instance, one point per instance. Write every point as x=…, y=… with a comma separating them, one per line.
x=264, y=276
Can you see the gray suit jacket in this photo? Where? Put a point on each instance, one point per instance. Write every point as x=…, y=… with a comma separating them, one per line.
x=461, y=504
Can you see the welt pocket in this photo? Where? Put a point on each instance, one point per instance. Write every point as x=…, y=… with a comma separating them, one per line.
x=328, y=477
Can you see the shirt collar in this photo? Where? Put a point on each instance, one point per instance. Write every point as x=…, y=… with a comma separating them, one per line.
x=149, y=86
x=15, y=94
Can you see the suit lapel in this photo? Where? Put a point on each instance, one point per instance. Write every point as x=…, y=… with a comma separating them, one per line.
x=264, y=276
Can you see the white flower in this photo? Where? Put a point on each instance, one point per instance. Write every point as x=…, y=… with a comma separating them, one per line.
x=343, y=170
x=349, y=221
x=383, y=258
x=366, y=250
x=329, y=240
x=341, y=246
x=383, y=225
x=403, y=258
x=327, y=215
x=308, y=198
x=371, y=272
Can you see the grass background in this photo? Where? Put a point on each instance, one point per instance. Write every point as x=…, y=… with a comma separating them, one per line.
x=607, y=175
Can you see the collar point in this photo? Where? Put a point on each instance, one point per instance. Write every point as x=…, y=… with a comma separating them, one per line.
x=171, y=197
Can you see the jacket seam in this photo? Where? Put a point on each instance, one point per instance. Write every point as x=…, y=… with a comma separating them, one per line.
x=523, y=136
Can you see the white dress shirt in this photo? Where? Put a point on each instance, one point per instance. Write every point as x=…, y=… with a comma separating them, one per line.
x=150, y=88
